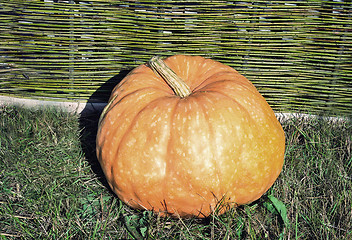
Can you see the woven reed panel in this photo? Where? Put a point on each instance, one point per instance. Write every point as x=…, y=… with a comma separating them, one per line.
x=297, y=53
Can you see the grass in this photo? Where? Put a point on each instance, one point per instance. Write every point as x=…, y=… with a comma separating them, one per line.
x=51, y=187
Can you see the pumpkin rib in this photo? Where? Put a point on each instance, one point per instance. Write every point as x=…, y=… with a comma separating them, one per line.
x=185, y=178
x=116, y=98
x=148, y=77
x=168, y=150
x=170, y=147
x=124, y=98
x=137, y=115
x=167, y=182
x=220, y=81
x=233, y=98
x=134, y=115
x=249, y=121
x=136, y=190
x=253, y=90
x=174, y=100
x=212, y=145
x=156, y=89
x=223, y=192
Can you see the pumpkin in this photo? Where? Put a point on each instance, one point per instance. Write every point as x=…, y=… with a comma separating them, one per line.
x=181, y=135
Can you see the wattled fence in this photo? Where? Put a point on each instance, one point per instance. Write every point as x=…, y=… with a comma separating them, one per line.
x=297, y=53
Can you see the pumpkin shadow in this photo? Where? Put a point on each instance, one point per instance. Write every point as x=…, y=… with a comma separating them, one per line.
x=88, y=122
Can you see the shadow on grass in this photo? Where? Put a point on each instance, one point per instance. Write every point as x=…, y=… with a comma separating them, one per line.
x=88, y=122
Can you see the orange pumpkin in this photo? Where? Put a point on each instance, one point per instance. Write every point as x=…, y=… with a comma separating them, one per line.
x=180, y=135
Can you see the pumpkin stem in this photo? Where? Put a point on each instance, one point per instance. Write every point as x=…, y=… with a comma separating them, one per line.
x=179, y=86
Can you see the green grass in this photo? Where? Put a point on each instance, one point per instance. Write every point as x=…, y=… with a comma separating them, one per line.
x=51, y=187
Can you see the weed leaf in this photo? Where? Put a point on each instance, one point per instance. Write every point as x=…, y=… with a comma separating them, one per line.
x=138, y=225
x=277, y=205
